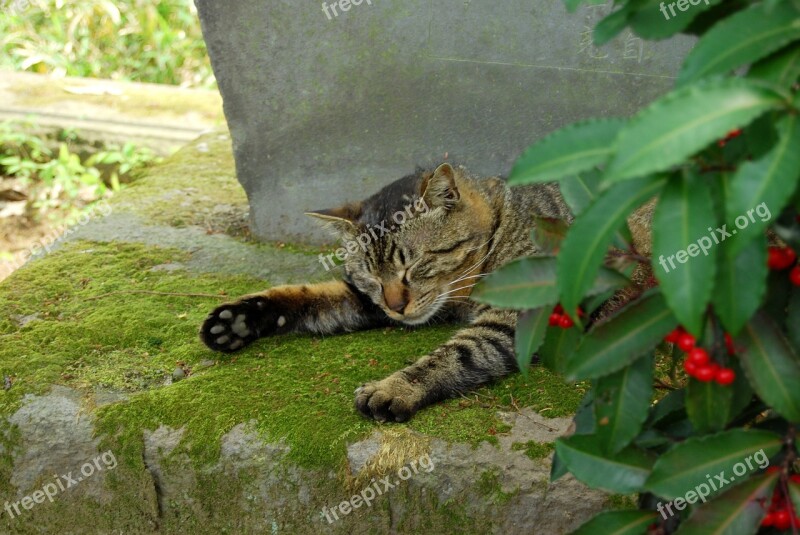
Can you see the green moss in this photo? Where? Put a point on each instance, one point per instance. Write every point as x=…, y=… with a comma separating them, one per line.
x=98, y=328
x=489, y=485
x=619, y=501
x=534, y=450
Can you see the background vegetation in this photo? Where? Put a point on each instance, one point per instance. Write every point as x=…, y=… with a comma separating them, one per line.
x=156, y=41
x=727, y=323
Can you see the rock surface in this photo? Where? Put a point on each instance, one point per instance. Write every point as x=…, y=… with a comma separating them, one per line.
x=265, y=441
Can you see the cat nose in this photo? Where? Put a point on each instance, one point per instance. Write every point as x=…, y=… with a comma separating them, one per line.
x=395, y=297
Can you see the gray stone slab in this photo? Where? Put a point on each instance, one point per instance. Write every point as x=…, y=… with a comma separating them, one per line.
x=325, y=108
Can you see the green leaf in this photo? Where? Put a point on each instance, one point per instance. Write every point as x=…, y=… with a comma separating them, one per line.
x=781, y=69
x=794, y=492
x=558, y=345
x=622, y=401
x=708, y=405
x=611, y=345
x=670, y=405
x=684, y=122
x=531, y=283
x=612, y=25
x=738, y=511
x=686, y=254
x=587, y=242
x=624, y=473
x=651, y=22
x=742, y=38
x=531, y=328
x=741, y=284
x=766, y=184
x=695, y=460
x=771, y=364
x=570, y=150
x=618, y=523
x=580, y=191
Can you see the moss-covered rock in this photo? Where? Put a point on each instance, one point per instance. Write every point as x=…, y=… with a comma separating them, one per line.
x=91, y=336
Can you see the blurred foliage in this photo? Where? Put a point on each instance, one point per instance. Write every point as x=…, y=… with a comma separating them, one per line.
x=59, y=173
x=135, y=40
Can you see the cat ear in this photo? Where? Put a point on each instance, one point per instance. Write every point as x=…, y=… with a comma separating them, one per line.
x=439, y=189
x=342, y=219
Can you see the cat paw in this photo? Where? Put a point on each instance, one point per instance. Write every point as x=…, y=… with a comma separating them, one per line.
x=235, y=325
x=392, y=400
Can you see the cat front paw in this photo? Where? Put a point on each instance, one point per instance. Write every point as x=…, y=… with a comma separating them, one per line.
x=393, y=399
x=233, y=326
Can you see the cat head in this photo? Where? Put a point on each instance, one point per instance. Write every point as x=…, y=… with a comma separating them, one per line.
x=417, y=244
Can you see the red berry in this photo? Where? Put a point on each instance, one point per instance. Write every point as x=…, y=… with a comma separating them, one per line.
x=782, y=519
x=566, y=322
x=725, y=376
x=690, y=368
x=559, y=309
x=773, y=470
x=794, y=275
x=721, y=143
x=699, y=356
x=555, y=319
x=686, y=342
x=705, y=373
x=734, y=133
x=768, y=520
x=795, y=478
x=780, y=258
x=673, y=336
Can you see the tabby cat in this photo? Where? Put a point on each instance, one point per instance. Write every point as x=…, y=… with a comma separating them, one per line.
x=418, y=271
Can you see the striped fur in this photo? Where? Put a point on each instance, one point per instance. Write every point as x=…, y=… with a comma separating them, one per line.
x=420, y=271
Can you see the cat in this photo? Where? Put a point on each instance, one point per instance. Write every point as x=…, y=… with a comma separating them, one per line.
x=415, y=272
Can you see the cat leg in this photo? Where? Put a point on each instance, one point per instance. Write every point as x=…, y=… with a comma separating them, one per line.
x=323, y=308
x=476, y=355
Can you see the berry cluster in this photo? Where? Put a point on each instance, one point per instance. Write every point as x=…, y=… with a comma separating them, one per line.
x=781, y=515
x=559, y=319
x=731, y=135
x=698, y=363
x=781, y=258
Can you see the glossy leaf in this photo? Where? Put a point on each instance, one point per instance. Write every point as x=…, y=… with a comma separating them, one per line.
x=741, y=284
x=760, y=189
x=531, y=328
x=771, y=364
x=622, y=401
x=781, y=69
x=684, y=122
x=531, y=283
x=688, y=464
x=623, y=473
x=618, y=523
x=633, y=332
x=708, y=405
x=685, y=253
x=737, y=511
x=585, y=247
x=570, y=150
x=743, y=38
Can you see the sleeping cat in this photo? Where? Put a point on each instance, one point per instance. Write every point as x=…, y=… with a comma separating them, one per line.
x=415, y=272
